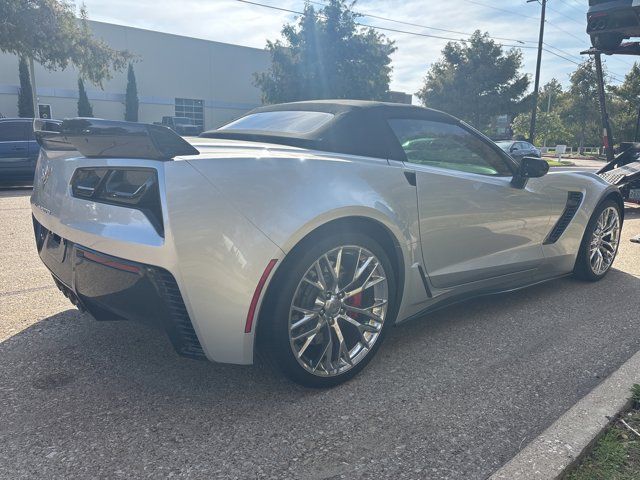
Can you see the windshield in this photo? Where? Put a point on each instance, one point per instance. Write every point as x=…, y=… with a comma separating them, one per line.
x=504, y=145
x=288, y=122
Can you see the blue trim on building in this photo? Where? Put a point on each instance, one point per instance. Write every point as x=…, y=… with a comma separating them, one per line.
x=120, y=97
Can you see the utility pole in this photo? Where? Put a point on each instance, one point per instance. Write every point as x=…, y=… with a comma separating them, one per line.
x=607, y=139
x=532, y=128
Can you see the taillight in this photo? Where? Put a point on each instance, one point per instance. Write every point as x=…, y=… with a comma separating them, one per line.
x=135, y=188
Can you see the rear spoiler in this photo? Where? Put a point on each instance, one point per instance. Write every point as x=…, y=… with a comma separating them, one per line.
x=97, y=138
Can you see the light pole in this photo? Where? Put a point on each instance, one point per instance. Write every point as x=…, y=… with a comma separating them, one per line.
x=532, y=128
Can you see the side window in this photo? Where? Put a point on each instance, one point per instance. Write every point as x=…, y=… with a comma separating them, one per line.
x=447, y=146
x=13, y=131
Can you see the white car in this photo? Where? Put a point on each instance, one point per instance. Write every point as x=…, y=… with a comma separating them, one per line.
x=306, y=230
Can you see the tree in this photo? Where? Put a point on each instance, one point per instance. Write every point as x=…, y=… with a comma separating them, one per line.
x=327, y=54
x=48, y=32
x=550, y=127
x=84, y=107
x=580, y=108
x=550, y=95
x=131, y=97
x=625, y=105
x=25, y=95
x=476, y=80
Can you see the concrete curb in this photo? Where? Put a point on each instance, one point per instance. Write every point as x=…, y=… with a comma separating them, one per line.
x=560, y=445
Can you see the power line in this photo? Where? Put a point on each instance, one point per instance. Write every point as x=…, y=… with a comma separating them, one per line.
x=565, y=16
x=419, y=34
x=376, y=27
x=512, y=12
x=402, y=22
x=576, y=9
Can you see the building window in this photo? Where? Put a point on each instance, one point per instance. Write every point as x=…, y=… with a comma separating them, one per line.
x=190, y=108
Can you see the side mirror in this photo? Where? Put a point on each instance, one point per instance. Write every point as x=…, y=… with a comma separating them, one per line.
x=530, y=167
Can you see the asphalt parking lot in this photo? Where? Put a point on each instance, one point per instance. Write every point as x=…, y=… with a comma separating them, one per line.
x=454, y=395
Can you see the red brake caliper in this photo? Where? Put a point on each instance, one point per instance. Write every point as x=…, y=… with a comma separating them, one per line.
x=356, y=301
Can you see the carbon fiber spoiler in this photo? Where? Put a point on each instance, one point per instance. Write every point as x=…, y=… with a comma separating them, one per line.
x=97, y=138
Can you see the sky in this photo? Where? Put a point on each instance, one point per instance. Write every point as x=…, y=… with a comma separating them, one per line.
x=514, y=22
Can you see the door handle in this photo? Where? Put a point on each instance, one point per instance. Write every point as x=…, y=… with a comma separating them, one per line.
x=18, y=149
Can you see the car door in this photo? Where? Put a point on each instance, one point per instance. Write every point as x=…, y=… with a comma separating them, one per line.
x=518, y=151
x=14, y=148
x=33, y=146
x=474, y=225
x=532, y=151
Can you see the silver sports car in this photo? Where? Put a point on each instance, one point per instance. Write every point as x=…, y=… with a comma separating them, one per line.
x=305, y=230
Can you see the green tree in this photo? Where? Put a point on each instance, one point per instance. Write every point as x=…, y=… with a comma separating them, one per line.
x=551, y=95
x=550, y=128
x=25, y=95
x=49, y=32
x=476, y=80
x=327, y=54
x=625, y=105
x=580, y=108
x=550, y=124
x=84, y=107
x=131, y=97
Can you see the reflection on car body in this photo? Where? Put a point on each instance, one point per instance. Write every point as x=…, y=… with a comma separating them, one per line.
x=307, y=230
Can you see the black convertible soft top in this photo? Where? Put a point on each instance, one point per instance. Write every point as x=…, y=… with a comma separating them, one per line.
x=358, y=127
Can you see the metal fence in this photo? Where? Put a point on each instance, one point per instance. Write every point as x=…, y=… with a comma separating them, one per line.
x=571, y=150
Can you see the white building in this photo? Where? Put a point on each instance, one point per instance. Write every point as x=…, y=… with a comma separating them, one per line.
x=211, y=82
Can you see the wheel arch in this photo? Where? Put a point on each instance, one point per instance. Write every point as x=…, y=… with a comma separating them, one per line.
x=616, y=196
x=352, y=223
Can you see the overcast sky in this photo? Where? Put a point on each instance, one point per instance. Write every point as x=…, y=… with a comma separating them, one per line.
x=513, y=21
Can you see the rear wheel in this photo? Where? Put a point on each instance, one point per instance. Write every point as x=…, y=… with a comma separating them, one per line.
x=600, y=243
x=329, y=309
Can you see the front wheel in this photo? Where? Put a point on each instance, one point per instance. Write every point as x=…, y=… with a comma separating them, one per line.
x=329, y=309
x=600, y=243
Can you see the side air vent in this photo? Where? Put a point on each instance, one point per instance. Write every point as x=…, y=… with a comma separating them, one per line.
x=182, y=334
x=574, y=199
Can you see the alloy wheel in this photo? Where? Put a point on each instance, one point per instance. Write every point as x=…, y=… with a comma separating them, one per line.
x=604, y=241
x=338, y=310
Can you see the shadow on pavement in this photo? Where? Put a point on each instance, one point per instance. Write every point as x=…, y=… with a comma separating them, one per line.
x=459, y=391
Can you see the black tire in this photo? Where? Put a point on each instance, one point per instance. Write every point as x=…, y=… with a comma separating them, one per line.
x=583, y=269
x=606, y=41
x=273, y=335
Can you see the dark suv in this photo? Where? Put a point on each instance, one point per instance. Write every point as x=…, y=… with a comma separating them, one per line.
x=182, y=126
x=609, y=22
x=18, y=149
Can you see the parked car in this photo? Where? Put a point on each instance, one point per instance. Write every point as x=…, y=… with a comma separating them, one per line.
x=182, y=126
x=18, y=149
x=306, y=230
x=609, y=22
x=519, y=149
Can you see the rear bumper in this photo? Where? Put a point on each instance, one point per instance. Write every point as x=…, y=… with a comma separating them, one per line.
x=622, y=16
x=111, y=288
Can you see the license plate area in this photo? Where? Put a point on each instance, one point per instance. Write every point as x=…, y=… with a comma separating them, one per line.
x=634, y=194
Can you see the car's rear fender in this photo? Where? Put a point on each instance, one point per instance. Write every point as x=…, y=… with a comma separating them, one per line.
x=290, y=196
x=215, y=254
